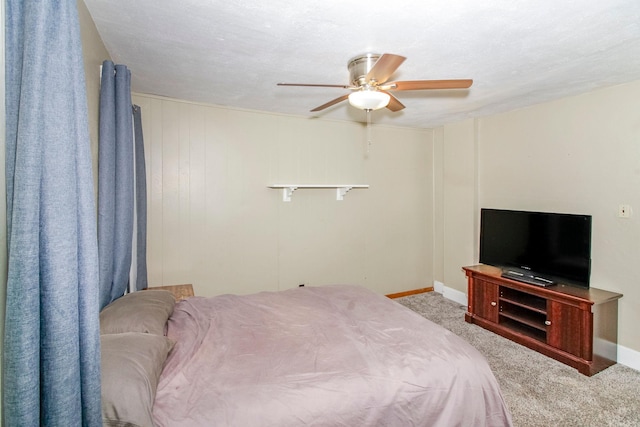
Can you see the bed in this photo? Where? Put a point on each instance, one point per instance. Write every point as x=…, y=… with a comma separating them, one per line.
x=319, y=356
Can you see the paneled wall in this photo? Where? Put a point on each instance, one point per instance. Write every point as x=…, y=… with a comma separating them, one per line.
x=214, y=222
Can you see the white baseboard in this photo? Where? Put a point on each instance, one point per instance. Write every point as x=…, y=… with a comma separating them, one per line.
x=438, y=286
x=626, y=356
x=629, y=357
x=450, y=293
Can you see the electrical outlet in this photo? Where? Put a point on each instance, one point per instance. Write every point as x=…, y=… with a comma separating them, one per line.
x=624, y=211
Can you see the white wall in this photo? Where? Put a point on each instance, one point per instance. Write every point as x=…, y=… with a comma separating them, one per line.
x=214, y=223
x=459, y=201
x=575, y=155
x=94, y=53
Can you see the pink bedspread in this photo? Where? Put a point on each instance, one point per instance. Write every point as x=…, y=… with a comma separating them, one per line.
x=320, y=356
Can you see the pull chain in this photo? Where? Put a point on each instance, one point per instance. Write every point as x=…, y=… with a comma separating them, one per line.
x=368, y=131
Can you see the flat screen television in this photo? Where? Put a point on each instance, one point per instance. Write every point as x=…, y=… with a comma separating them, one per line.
x=537, y=247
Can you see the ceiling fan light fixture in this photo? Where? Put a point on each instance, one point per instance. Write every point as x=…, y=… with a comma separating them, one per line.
x=369, y=99
x=369, y=79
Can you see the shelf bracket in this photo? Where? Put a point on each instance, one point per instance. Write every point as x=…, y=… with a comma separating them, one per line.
x=287, y=192
x=341, y=192
x=341, y=189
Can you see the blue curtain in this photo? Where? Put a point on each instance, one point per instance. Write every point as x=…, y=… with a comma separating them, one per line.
x=141, y=202
x=52, y=343
x=117, y=184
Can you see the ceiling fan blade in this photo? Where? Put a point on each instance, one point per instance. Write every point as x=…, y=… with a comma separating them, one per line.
x=330, y=103
x=394, y=103
x=316, y=85
x=384, y=67
x=428, y=84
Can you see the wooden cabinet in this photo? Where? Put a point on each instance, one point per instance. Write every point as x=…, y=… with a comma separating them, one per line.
x=566, y=329
x=485, y=299
x=573, y=325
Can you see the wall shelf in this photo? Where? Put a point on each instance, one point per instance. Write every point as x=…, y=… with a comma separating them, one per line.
x=341, y=189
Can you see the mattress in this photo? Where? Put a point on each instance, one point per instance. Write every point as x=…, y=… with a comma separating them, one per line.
x=320, y=356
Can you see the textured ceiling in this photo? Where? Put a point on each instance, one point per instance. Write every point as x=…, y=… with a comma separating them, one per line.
x=234, y=52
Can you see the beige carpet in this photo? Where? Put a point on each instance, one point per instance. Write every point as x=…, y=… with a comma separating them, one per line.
x=539, y=390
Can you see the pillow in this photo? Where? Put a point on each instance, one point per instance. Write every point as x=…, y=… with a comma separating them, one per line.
x=131, y=365
x=142, y=311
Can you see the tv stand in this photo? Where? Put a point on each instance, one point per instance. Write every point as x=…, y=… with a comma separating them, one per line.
x=576, y=326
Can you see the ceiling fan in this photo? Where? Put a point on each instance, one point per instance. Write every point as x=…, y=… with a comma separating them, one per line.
x=369, y=74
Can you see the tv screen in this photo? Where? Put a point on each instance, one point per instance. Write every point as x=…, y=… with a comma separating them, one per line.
x=552, y=247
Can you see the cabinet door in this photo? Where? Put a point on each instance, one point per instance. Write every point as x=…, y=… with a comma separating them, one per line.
x=567, y=328
x=485, y=300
